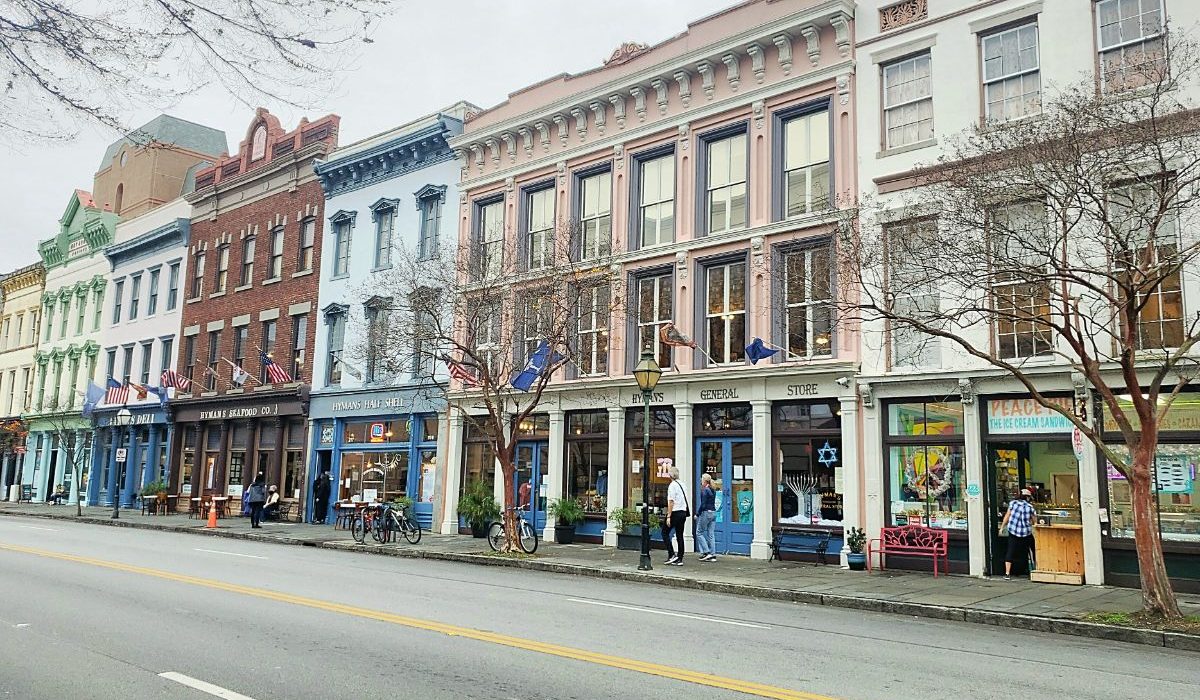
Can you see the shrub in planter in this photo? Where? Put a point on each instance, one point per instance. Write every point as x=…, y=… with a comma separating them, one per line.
x=856, y=539
x=568, y=513
x=478, y=507
x=154, y=488
x=628, y=523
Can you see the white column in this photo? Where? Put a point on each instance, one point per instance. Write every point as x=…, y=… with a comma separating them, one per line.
x=764, y=481
x=73, y=497
x=450, y=462
x=616, y=468
x=848, y=474
x=977, y=531
x=1089, y=502
x=874, y=422
x=4, y=475
x=555, y=469
x=684, y=459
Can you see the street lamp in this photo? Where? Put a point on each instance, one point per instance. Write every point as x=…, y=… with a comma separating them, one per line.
x=646, y=374
x=123, y=419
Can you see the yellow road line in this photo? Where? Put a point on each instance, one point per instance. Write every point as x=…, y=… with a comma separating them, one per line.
x=681, y=674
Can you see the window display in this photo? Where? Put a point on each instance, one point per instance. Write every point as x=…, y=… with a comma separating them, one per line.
x=379, y=476
x=808, y=454
x=479, y=461
x=1178, y=494
x=587, y=461
x=662, y=447
x=928, y=486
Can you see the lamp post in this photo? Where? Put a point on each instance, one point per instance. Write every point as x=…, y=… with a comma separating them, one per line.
x=647, y=374
x=122, y=420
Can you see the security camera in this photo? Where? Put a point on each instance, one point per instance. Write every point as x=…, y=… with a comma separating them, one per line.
x=844, y=381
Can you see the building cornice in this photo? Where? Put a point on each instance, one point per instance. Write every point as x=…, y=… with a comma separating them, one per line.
x=426, y=146
x=25, y=277
x=171, y=235
x=300, y=161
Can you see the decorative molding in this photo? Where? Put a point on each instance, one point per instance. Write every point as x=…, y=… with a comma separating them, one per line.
x=759, y=109
x=841, y=27
x=618, y=156
x=477, y=151
x=639, y=101
x=684, y=133
x=383, y=204
x=510, y=183
x=561, y=122
x=758, y=61
x=707, y=78
x=661, y=91
x=618, y=103
x=783, y=43
x=757, y=251
x=684, y=79
x=580, y=122
x=526, y=140
x=626, y=52
x=733, y=70
x=561, y=167
x=843, y=89
x=427, y=192
x=902, y=13
x=812, y=37
x=510, y=143
x=493, y=146
x=343, y=216
x=600, y=110
x=681, y=265
x=543, y=130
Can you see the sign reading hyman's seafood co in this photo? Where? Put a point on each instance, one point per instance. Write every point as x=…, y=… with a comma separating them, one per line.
x=240, y=412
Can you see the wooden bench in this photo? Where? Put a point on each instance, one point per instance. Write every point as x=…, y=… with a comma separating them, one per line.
x=797, y=539
x=911, y=541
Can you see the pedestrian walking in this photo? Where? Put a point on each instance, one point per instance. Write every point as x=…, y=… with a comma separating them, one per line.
x=706, y=520
x=257, y=498
x=321, y=497
x=1018, y=522
x=675, y=518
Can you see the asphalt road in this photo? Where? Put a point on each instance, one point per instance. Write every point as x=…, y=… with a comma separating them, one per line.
x=97, y=612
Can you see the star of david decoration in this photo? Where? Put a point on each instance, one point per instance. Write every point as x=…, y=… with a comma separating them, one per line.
x=827, y=455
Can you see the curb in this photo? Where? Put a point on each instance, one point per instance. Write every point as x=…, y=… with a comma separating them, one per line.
x=1036, y=623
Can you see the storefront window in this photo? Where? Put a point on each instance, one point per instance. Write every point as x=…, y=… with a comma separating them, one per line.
x=428, y=477
x=479, y=461
x=537, y=425
x=911, y=419
x=722, y=418
x=187, y=461
x=1178, y=496
x=587, y=461
x=375, y=476
x=808, y=454
x=373, y=432
x=429, y=429
x=928, y=485
x=801, y=417
x=662, y=452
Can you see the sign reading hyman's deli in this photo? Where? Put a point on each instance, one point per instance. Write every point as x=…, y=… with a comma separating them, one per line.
x=1022, y=416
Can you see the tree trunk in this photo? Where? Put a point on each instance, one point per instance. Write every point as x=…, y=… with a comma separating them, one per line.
x=508, y=515
x=1157, y=596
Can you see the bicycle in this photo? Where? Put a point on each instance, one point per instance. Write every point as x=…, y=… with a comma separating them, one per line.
x=528, y=540
x=396, y=519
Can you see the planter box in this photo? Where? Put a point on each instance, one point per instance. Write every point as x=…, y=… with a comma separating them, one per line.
x=564, y=534
x=857, y=562
x=481, y=531
x=630, y=542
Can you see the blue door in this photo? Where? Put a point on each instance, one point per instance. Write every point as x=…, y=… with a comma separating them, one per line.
x=730, y=461
x=533, y=458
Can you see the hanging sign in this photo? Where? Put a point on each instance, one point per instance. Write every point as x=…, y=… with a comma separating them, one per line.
x=1077, y=441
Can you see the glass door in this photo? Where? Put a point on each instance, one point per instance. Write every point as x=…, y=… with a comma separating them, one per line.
x=730, y=461
x=1009, y=474
x=422, y=496
x=533, y=458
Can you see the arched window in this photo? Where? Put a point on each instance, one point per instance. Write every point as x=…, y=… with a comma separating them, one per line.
x=118, y=198
x=258, y=147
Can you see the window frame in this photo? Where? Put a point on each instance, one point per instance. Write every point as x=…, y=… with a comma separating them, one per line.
x=118, y=296
x=638, y=164
x=135, y=290
x=335, y=319
x=704, y=188
x=779, y=172
x=599, y=330
x=634, y=325
x=1121, y=46
x=929, y=354
x=885, y=108
x=702, y=315
x=307, y=245
x=1018, y=74
x=173, y=273
x=249, y=253
x=525, y=244
x=197, y=286
x=579, y=252
x=152, y=292
x=1159, y=294
x=214, y=352
x=147, y=356
x=483, y=262
x=342, y=224
x=811, y=306
x=299, y=344
x=222, y=280
x=269, y=333
x=384, y=211
x=275, y=262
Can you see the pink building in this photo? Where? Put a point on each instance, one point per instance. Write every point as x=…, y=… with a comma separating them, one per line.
x=713, y=164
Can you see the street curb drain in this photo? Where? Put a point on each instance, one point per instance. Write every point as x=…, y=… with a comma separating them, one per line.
x=1036, y=623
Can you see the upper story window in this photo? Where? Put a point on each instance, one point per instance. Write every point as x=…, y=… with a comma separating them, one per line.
x=539, y=228
x=656, y=200
x=1130, y=41
x=1151, y=252
x=908, y=101
x=655, y=307
x=336, y=320
x=49, y=316
x=595, y=215
x=489, y=238
x=299, y=344
x=535, y=321
x=65, y=319
x=172, y=286
x=275, y=270
x=726, y=174
x=110, y=363
x=592, y=330
x=97, y=308
x=385, y=231
x=198, y=277
x=147, y=352
x=135, y=289
x=725, y=311
x=248, y=250
x=214, y=355
x=308, y=237
x=807, y=179
x=118, y=296
x=808, y=302
x=166, y=357
x=241, y=339
x=5, y=332
x=80, y=314
x=429, y=204
x=1020, y=298
x=342, y=228
x=912, y=290
x=152, y=294
x=1012, y=81
x=189, y=358
x=222, y=269
x=268, y=347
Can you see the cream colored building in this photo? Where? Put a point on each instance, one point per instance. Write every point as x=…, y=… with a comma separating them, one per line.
x=22, y=290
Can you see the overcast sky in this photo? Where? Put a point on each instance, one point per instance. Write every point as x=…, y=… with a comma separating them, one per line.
x=427, y=55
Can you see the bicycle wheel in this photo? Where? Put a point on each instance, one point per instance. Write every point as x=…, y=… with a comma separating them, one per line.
x=395, y=523
x=358, y=529
x=495, y=536
x=411, y=530
x=379, y=529
x=529, y=538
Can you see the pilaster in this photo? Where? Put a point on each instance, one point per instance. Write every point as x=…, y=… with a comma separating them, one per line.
x=764, y=491
x=555, y=469
x=976, y=517
x=616, y=468
x=684, y=459
x=848, y=475
x=451, y=473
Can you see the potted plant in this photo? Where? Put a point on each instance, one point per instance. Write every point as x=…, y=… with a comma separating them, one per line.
x=154, y=488
x=628, y=523
x=478, y=507
x=856, y=539
x=567, y=513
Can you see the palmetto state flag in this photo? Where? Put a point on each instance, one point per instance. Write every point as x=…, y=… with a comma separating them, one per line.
x=537, y=363
x=91, y=398
x=758, y=350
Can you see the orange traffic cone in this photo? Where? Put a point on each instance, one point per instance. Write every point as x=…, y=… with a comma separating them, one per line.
x=212, y=516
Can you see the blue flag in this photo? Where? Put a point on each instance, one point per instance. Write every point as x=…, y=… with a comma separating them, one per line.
x=160, y=392
x=534, y=367
x=91, y=398
x=758, y=350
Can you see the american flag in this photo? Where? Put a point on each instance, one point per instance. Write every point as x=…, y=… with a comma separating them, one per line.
x=462, y=374
x=117, y=393
x=275, y=373
x=172, y=378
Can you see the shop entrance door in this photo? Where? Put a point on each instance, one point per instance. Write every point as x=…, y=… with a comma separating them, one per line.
x=730, y=461
x=423, y=492
x=1008, y=474
x=533, y=458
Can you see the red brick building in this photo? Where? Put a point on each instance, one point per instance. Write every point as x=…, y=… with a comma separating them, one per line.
x=252, y=289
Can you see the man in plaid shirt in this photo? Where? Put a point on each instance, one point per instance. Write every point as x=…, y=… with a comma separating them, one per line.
x=1018, y=522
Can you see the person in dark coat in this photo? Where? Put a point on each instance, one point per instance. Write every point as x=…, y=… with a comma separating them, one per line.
x=257, y=498
x=320, y=497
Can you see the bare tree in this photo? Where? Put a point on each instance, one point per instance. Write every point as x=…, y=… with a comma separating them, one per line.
x=488, y=334
x=1068, y=235
x=63, y=63
x=73, y=439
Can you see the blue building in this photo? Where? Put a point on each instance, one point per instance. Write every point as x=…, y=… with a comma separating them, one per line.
x=374, y=429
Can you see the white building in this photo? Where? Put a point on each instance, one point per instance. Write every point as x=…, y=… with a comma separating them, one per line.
x=929, y=69
x=394, y=191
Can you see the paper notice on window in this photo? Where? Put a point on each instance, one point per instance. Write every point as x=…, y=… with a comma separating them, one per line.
x=370, y=495
x=635, y=466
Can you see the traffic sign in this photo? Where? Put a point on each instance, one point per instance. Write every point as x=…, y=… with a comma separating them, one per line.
x=121, y=454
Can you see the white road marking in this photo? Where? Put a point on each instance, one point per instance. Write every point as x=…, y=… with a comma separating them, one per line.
x=35, y=527
x=21, y=625
x=232, y=554
x=669, y=613
x=204, y=687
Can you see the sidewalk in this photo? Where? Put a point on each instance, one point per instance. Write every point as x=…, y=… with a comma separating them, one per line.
x=1040, y=607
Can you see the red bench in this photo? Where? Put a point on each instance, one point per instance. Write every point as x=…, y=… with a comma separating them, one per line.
x=911, y=541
